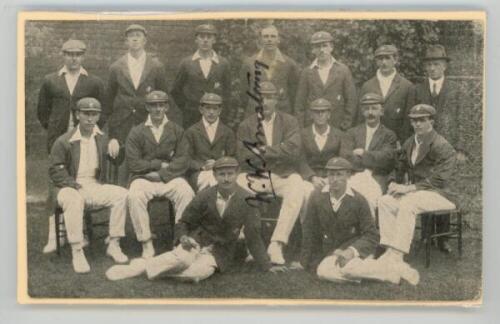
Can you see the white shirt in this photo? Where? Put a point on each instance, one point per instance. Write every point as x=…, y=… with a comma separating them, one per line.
x=206, y=63
x=157, y=131
x=320, y=139
x=135, y=67
x=337, y=202
x=71, y=80
x=89, y=157
x=436, y=83
x=268, y=127
x=385, y=81
x=210, y=128
x=222, y=203
x=369, y=135
x=323, y=71
x=414, y=153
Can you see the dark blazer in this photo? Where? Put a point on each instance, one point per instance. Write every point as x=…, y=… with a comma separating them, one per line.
x=199, y=148
x=313, y=161
x=434, y=166
x=339, y=90
x=284, y=75
x=282, y=158
x=202, y=221
x=448, y=109
x=380, y=156
x=324, y=230
x=144, y=154
x=397, y=104
x=190, y=84
x=127, y=103
x=55, y=102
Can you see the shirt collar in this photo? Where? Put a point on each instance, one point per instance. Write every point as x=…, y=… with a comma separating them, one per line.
x=77, y=135
x=64, y=70
x=390, y=77
x=373, y=129
x=348, y=192
x=141, y=58
x=277, y=57
x=315, y=63
x=318, y=134
x=207, y=124
x=271, y=121
x=438, y=82
x=214, y=57
x=149, y=122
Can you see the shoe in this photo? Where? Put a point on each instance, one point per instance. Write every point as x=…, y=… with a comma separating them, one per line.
x=444, y=246
x=80, y=264
x=148, y=250
x=371, y=269
x=115, y=252
x=275, y=252
x=409, y=274
x=120, y=272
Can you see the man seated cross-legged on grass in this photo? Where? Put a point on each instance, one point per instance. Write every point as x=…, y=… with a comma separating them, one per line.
x=207, y=234
x=78, y=170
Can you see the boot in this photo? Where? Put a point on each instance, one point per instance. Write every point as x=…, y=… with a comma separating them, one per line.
x=115, y=252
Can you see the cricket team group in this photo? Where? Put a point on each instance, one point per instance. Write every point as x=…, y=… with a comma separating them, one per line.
x=341, y=160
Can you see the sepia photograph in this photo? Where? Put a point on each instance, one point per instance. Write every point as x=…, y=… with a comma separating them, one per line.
x=251, y=158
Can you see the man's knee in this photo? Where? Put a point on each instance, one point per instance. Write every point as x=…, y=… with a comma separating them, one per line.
x=70, y=197
x=182, y=187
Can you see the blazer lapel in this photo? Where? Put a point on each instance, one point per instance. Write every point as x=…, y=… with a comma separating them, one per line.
x=200, y=128
x=78, y=85
x=75, y=152
x=277, y=128
x=394, y=85
x=361, y=134
x=61, y=80
x=332, y=74
x=148, y=65
x=442, y=94
x=219, y=132
x=327, y=215
x=125, y=71
x=377, y=137
x=425, y=147
x=309, y=138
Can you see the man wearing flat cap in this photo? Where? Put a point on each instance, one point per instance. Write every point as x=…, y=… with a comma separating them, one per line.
x=270, y=144
x=371, y=148
x=205, y=71
x=281, y=70
x=206, y=141
x=157, y=163
x=429, y=161
x=78, y=171
x=329, y=79
x=338, y=230
x=396, y=91
x=131, y=78
x=207, y=234
x=443, y=94
x=59, y=93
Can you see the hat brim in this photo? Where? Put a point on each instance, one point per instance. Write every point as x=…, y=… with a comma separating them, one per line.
x=385, y=54
x=89, y=109
x=444, y=58
x=156, y=101
x=338, y=169
x=73, y=50
x=418, y=115
x=136, y=29
x=320, y=108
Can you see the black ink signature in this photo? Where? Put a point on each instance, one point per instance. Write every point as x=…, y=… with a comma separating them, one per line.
x=258, y=148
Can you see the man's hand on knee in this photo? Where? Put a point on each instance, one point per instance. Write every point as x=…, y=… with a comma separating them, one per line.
x=187, y=242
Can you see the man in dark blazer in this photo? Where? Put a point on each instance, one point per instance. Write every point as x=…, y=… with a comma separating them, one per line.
x=207, y=234
x=59, y=93
x=131, y=78
x=429, y=160
x=157, y=163
x=371, y=148
x=338, y=228
x=203, y=72
x=281, y=70
x=269, y=147
x=78, y=172
x=443, y=94
x=329, y=79
x=396, y=91
x=206, y=141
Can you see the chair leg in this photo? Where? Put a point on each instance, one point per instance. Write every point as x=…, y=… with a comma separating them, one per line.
x=429, y=230
x=88, y=224
x=57, y=222
x=459, y=225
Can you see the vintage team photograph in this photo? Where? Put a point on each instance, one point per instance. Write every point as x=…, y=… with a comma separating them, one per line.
x=255, y=159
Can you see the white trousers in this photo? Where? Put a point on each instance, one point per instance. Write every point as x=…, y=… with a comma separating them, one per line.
x=196, y=264
x=93, y=196
x=397, y=216
x=329, y=270
x=205, y=179
x=290, y=189
x=142, y=191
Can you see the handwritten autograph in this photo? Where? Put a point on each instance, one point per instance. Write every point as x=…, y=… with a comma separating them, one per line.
x=258, y=147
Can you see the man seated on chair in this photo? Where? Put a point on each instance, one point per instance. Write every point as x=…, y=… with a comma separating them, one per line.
x=338, y=228
x=277, y=138
x=156, y=164
x=371, y=148
x=207, y=234
x=429, y=160
x=78, y=171
x=206, y=141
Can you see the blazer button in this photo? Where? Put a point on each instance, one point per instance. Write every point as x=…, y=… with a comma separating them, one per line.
x=133, y=111
x=325, y=236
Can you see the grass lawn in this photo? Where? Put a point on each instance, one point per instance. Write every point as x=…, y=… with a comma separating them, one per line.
x=449, y=278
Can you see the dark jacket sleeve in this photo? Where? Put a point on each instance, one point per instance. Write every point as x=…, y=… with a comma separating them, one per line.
x=190, y=219
x=367, y=242
x=179, y=163
x=245, y=134
x=253, y=238
x=444, y=167
x=406, y=129
x=106, y=109
x=291, y=146
x=301, y=97
x=111, y=93
x=187, y=143
x=59, y=164
x=44, y=104
x=293, y=82
x=244, y=83
x=382, y=159
x=135, y=161
x=311, y=253
x=351, y=101
x=178, y=86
